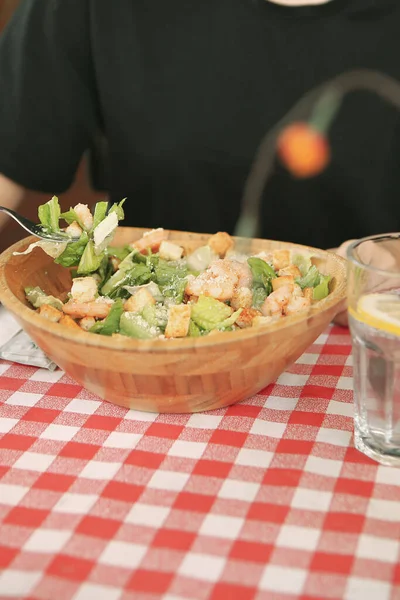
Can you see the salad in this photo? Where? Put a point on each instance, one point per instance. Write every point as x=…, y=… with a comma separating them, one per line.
x=152, y=288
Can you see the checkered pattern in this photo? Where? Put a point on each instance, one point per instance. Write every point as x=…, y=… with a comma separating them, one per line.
x=265, y=500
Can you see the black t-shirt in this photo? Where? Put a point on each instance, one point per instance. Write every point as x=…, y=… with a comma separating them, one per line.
x=184, y=91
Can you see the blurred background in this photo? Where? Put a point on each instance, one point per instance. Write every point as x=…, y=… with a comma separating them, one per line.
x=81, y=190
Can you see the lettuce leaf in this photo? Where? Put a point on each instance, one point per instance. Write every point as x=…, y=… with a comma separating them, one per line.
x=156, y=315
x=90, y=261
x=110, y=324
x=137, y=274
x=117, y=208
x=37, y=297
x=321, y=290
x=227, y=323
x=303, y=262
x=70, y=216
x=100, y=213
x=209, y=313
x=119, y=252
x=310, y=279
x=49, y=215
x=166, y=271
x=151, y=287
x=171, y=278
x=73, y=252
x=194, y=330
x=259, y=296
x=134, y=325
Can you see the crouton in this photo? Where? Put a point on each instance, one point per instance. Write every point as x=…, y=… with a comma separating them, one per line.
x=242, y=298
x=308, y=293
x=74, y=229
x=220, y=243
x=87, y=323
x=290, y=270
x=245, y=319
x=84, y=289
x=170, y=251
x=68, y=321
x=296, y=304
x=139, y=300
x=285, y=280
x=178, y=321
x=50, y=313
x=280, y=259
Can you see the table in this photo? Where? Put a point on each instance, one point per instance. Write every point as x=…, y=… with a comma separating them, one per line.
x=265, y=500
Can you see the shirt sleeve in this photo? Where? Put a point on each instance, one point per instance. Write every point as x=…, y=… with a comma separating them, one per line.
x=48, y=113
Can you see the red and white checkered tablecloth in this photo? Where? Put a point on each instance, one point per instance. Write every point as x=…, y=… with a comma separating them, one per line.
x=265, y=500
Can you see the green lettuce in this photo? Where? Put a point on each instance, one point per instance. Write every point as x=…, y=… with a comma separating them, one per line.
x=70, y=216
x=303, y=262
x=310, y=279
x=90, y=261
x=134, y=325
x=321, y=290
x=100, y=213
x=156, y=315
x=262, y=272
x=170, y=276
x=209, y=313
x=110, y=324
x=166, y=271
x=49, y=215
x=117, y=208
x=73, y=252
x=119, y=252
x=226, y=324
x=259, y=296
x=37, y=297
x=194, y=330
x=137, y=274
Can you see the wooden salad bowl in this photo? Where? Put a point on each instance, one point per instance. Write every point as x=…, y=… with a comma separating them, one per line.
x=168, y=376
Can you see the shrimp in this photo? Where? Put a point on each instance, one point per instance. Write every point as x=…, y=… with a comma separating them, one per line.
x=243, y=272
x=79, y=310
x=276, y=302
x=84, y=215
x=242, y=298
x=151, y=239
x=218, y=281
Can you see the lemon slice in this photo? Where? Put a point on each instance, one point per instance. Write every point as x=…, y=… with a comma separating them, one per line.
x=381, y=311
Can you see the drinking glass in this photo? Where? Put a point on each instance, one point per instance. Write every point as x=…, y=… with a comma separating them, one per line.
x=374, y=319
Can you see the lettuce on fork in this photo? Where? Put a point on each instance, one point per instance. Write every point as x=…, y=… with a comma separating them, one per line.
x=96, y=232
x=49, y=215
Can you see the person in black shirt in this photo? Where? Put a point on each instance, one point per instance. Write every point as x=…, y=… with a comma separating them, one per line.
x=183, y=92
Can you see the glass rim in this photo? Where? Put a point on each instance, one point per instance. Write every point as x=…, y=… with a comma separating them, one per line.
x=371, y=238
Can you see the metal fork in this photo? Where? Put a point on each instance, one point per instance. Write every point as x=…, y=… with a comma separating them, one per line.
x=38, y=230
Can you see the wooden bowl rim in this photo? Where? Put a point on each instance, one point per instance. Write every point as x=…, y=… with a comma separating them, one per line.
x=15, y=306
